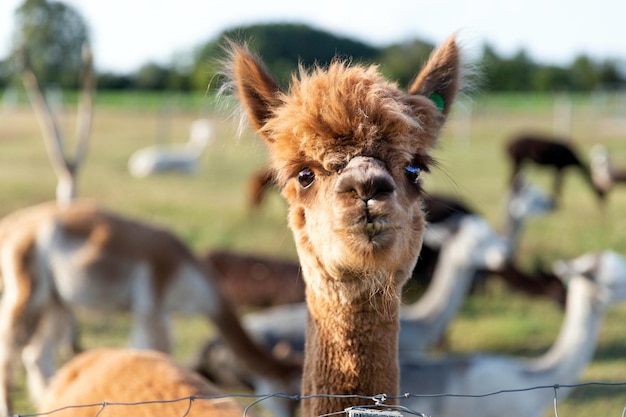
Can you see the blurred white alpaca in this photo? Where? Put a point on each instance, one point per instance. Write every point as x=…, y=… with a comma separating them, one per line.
x=595, y=282
x=181, y=157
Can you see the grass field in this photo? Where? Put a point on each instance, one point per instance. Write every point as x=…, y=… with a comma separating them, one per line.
x=210, y=209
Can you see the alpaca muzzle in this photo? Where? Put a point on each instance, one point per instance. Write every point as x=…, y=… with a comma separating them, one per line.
x=366, y=178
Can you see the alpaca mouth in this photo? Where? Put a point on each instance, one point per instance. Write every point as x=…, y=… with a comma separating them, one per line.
x=374, y=227
x=377, y=231
x=369, y=228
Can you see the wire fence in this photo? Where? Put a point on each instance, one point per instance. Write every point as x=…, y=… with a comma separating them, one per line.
x=372, y=405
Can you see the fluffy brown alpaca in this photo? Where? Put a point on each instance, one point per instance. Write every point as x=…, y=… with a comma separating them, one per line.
x=141, y=376
x=250, y=280
x=347, y=148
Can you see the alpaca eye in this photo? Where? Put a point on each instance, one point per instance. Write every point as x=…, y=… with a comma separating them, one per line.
x=306, y=177
x=412, y=173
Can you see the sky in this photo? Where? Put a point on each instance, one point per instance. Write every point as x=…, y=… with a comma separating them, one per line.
x=129, y=33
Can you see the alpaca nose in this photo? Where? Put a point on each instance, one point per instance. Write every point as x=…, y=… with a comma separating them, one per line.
x=366, y=178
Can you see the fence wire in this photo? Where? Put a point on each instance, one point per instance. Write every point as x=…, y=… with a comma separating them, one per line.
x=377, y=402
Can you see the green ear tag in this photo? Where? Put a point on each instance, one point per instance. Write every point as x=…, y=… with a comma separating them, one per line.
x=438, y=100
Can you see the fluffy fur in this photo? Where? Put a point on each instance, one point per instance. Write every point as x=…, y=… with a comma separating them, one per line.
x=135, y=372
x=340, y=140
x=256, y=281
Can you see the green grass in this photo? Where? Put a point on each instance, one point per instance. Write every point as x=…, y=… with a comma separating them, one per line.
x=210, y=210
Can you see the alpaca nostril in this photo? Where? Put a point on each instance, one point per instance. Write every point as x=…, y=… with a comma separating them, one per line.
x=370, y=188
x=378, y=187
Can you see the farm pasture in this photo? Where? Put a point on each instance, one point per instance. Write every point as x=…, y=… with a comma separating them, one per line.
x=210, y=210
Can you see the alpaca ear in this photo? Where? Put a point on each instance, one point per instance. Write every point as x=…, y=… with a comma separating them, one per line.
x=439, y=78
x=257, y=90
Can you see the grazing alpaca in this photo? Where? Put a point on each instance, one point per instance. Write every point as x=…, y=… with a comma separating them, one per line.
x=347, y=147
x=53, y=258
x=179, y=158
x=551, y=152
x=604, y=174
x=256, y=281
x=595, y=282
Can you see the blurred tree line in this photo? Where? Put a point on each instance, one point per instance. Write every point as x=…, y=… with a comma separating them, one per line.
x=52, y=33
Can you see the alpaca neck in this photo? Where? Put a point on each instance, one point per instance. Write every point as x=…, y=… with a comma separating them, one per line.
x=576, y=343
x=351, y=348
x=588, y=177
x=445, y=294
x=513, y=229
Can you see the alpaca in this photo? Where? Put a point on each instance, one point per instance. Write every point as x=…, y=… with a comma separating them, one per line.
x=523, y=200
x=54, y=258
x=552, y=152
x=604, y=174
x=137, y=371
x=180, y=158
x=347, y=148
x=256, y=281
x=66, y=168
x=595, y=281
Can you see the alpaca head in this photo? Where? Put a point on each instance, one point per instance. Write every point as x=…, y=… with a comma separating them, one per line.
x=607, y=270
x=348, y=148
x=469, y=241
x=527, y=200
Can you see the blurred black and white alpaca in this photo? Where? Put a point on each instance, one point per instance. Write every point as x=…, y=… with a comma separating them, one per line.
x=183, y=158
x=558, y=154
x=595, y=282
